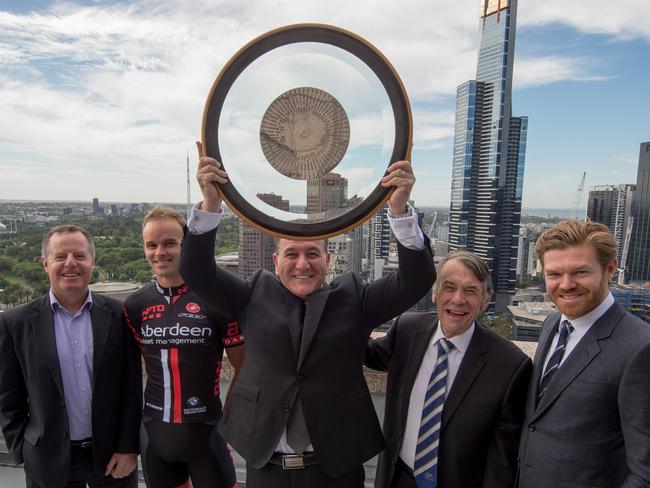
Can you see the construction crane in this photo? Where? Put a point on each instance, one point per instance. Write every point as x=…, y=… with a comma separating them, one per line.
x=581, y=189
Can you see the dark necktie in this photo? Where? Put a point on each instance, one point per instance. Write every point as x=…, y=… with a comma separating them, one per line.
x=297, y=434
x=425, y=467
x=556, y=358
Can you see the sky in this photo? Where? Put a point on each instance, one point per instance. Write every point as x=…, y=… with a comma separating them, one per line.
x=104, y=98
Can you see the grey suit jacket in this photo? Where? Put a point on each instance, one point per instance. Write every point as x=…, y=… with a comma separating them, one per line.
x=32, y=406
x=592, y=426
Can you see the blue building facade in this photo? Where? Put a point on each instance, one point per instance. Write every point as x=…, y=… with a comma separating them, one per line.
x=638, y=261
x=489, y=155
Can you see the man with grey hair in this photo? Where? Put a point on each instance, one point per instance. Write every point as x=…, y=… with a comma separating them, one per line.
x=455, y=392
x=70, y=391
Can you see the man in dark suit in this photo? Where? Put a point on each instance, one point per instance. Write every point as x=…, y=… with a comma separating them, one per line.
x=300, y=413
x=456, y=390
x=588, y=407
x=69, y=392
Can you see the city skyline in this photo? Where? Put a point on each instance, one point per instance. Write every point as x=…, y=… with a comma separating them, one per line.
x=103, y=98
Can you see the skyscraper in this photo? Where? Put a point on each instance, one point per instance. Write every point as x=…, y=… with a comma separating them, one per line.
x=638, y=260
x=379, y=243
x=327, y=192
x=256, y=248
x=611, y=205
x=489, y=154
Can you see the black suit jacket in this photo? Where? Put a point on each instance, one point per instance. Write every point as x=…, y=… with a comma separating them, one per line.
x=32, y=406
x=592, y=426
x=483, y=412
x=323, y=363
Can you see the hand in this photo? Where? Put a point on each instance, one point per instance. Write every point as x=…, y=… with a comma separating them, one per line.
x=121, y=465
x=400, y=176
x=208, y=174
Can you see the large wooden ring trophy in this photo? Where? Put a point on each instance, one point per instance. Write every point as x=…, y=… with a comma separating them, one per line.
x=306, y=119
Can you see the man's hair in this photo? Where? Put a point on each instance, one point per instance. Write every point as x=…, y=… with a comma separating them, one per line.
x=277, y=240
x=160, y=212
x=471, y=261
x=60, y=229
x=569, y=233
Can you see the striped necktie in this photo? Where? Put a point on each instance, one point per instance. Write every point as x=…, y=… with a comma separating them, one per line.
x=425, y=468
x=556, y=358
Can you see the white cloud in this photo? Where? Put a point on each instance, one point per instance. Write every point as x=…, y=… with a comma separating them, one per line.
x=623, y=19
x=549, y=69
x=104, y=99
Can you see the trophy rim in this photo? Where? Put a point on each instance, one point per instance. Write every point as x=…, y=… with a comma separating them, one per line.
x=323, y=34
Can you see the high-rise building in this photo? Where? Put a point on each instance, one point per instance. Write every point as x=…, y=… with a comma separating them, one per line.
x=611, y=205
x=489, y=155
x=340, y=248
x=638, y=259
x=327, y=192
x=97, y=210
x=256, y=248
x=379, y=230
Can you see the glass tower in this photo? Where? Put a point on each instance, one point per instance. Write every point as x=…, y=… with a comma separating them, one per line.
x=489, y=155
x=638, y=261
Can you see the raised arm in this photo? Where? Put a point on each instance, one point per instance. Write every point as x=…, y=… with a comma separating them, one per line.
x=225, y=292
x=391, y=295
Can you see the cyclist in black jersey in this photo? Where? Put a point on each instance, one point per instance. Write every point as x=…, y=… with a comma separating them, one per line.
x=182, y=342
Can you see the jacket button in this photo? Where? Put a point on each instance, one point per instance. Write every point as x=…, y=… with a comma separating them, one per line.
x=286, y=408
x=532, y=428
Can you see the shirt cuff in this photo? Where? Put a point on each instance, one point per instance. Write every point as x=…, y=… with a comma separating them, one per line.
x=406, y=229
x=202, y=221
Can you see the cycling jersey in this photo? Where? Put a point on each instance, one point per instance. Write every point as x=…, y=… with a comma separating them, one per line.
x=182, y=343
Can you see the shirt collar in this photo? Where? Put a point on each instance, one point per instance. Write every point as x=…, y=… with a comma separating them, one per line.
x=589, y=318
x=55, y=304
x=460, y=342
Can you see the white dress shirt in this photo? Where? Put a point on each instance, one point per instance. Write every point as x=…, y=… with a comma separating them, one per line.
x=405, y=228
x=581, y=326
x=416, y=401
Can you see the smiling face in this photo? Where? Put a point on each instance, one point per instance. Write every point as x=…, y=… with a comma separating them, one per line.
x=460, y=297
x=69, y=264
x=162, y=248
x=575, y=280
x=301, y=266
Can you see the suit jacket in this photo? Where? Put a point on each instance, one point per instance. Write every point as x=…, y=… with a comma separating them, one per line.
x=483, y=411
x=320, y=358
x=32, y=406
x=592, y=426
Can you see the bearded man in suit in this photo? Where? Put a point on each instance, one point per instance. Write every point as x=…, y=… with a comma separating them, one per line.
x=588, y=407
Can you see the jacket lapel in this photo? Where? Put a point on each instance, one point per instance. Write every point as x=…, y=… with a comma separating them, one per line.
x=42, y=322
x=101, y=318
x=584, y=352
x=315, y=304
x=540, y=354
x=416, y=350
x=470, y=367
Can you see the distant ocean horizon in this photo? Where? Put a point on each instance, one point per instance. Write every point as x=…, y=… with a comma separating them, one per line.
x=563, y=213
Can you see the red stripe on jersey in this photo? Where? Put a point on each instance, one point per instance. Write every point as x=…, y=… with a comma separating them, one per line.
x=176, y=378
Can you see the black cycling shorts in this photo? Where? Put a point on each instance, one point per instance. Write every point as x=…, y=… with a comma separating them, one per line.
x=172, y=453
